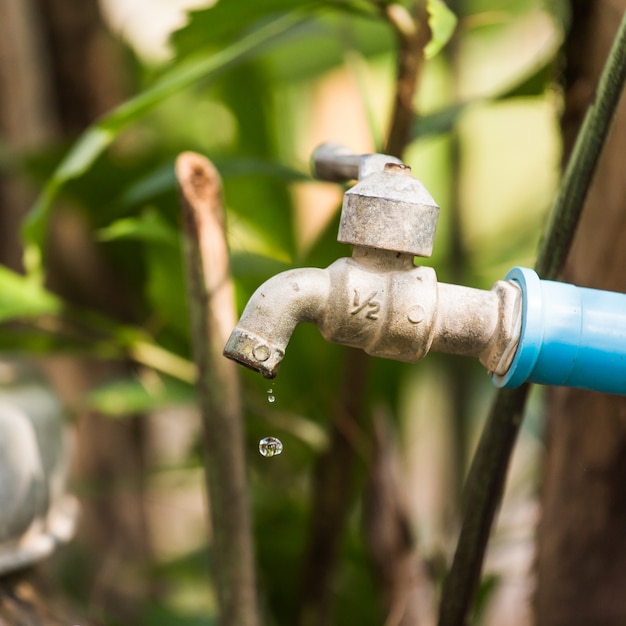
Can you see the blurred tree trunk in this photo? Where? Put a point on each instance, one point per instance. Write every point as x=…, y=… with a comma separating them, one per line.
x=59, y=70
x=26, y=119
x=582, y=540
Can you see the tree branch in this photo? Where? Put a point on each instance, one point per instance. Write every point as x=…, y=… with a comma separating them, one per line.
x=413, y=34
x=333, y=496
x=334, y=488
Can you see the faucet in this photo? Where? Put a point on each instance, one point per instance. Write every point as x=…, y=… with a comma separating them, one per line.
x=37, y=513
x=524, y=329
x=378, y=299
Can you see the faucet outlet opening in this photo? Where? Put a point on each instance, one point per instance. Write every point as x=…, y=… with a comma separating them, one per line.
x=254, y=352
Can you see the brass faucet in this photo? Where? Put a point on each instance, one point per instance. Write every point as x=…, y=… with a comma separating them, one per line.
x=378, y=299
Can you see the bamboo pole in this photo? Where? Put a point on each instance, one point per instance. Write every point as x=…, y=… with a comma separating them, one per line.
x=213, y=316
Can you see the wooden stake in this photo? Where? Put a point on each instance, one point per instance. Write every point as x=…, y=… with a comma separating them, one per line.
x=212, y=311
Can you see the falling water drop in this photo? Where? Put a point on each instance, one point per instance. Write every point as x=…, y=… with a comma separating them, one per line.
x=270, y=395
x=270, y=446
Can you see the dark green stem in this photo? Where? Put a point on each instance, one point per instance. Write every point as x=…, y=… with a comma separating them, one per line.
x=481, y=497
x=582, y=163
x=487, y=476
x=413, y=34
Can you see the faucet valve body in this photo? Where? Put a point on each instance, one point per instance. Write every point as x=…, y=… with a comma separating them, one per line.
x=380, y=302
x=390, y=314
x=402, y=313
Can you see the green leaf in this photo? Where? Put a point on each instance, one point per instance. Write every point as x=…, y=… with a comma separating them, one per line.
x=24, y=337
x=322, y=45
x=98, y=137
x=442, y=22
x=439, y=122
x=314, y=47
x=231, y=168
x=225, y=20
x=22, y=297
x=531, y=83
x=165, y=287
x=163, y=179
x=486, y=590
x=150, y=226
x=143, y=189
x=125, y=397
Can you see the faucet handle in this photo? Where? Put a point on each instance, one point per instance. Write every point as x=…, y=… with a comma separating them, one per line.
x=390, y=210
x=387, y=209
x=336, y=163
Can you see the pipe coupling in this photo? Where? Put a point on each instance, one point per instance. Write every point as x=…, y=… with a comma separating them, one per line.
x=35, y=511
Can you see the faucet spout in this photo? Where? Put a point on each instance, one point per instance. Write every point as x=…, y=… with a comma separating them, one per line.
x=260, y=339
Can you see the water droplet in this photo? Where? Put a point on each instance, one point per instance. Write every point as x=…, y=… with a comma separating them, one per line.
x=270, y=395
x=270, y=446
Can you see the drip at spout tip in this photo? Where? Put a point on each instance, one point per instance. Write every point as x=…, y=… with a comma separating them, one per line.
x=254, y=352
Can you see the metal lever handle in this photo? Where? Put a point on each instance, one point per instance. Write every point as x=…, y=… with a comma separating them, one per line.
x=335, y=163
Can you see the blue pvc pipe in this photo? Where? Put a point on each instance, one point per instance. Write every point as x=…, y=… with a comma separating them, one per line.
x=570, y=336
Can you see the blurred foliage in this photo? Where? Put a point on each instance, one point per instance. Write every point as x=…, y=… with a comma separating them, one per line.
x=240, y=88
